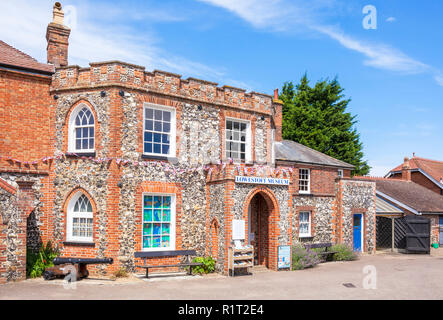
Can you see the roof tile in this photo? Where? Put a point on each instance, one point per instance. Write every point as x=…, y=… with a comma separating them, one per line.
x=432, y=167
x=13, y=57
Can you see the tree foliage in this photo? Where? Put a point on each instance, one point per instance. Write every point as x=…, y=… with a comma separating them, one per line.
x=316, y=117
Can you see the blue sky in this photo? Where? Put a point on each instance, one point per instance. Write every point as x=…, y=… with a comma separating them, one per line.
x=394, y=74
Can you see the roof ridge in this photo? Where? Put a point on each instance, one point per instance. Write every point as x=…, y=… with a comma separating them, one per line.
x=426, y=159
x=376, y=178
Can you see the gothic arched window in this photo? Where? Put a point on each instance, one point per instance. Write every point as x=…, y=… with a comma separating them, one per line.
x=80, y=219
x=82, y=130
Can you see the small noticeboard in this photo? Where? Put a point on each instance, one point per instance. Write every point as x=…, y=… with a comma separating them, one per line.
x=284, y=257
x=238, y=230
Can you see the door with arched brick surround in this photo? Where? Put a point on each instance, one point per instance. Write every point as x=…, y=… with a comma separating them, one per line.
x=259, y=230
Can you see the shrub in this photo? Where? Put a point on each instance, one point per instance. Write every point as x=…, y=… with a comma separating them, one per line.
x=207, y=267
x=344, y=253
x=302, y=258
x=121, y=273
x=36, y=263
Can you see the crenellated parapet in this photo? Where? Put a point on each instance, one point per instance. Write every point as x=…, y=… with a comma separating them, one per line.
x=133, y=77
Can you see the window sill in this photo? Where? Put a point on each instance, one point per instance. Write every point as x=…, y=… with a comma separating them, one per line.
x=305, y=236
x=79, y=244
x=80, y=154
x=154, y=157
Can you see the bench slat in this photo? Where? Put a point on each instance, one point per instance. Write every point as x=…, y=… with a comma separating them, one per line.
x=155, y=254
x=318, y=245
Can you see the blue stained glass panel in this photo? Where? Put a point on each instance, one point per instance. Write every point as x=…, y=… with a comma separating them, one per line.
x=166, y=217
x=157, y=215
x=156, y=242
x=157, y=229
x=165, y=241
x=147, y=215
x=147, y=229
x=147, y=242
x=167, y=202
x=157, y=202
x=148, y=202
x=166, y=228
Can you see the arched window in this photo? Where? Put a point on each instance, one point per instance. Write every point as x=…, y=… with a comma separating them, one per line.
x=82, y=130
x=80, y=219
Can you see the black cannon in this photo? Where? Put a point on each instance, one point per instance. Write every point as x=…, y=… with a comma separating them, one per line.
x=61, y=267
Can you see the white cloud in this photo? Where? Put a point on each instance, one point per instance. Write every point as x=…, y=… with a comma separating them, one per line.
x=391, y=19
x=281, y=15
x=439, y=79
x=103, y=32
x=377, y=55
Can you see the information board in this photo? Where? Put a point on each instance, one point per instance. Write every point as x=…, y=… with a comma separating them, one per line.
x=284, y=257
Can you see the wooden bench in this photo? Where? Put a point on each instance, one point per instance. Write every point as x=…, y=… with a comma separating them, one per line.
x=161, y=254
x=326, y=253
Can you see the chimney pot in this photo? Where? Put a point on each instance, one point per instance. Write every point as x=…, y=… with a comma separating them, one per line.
x=58, y=14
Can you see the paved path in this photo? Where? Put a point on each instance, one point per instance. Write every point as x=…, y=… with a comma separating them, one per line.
x=398, y=277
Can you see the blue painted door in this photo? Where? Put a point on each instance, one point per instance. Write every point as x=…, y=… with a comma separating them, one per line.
x=357, y=226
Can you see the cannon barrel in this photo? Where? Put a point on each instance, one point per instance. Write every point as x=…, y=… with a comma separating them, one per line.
x=58, y=261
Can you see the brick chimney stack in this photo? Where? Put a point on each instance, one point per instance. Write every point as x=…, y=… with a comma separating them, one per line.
x=57, y=36
x=278, y=116
x=406, y=170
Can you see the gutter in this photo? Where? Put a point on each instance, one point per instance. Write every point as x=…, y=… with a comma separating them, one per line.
x=26, y=70
x=291, y=162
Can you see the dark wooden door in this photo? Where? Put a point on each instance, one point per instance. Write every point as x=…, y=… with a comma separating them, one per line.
x=418, y=234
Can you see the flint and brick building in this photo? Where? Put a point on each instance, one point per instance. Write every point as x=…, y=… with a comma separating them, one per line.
x=113, y=159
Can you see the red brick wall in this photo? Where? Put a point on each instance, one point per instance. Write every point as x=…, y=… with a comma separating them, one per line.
x=25, y=123
x=420, y=179
x=322, y=180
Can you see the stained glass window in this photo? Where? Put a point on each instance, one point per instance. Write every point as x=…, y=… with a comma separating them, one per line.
x=157, y=221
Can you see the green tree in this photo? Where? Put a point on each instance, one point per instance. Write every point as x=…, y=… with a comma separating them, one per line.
x=316, y=117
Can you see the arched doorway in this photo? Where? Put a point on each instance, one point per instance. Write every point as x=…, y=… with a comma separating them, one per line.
x=262, y=227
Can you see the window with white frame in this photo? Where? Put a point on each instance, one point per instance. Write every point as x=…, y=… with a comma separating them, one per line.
x=81, y=130
x=340, y=173
x=158, y=222
x=159, y=131
x=238, y=145
x=304, y=181
x=80, y=219
x=305, y=224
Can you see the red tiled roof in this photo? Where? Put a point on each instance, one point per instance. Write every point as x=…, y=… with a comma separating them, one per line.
x=13, y=57
x=432, y=167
